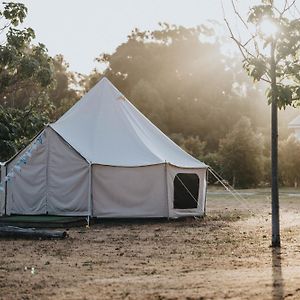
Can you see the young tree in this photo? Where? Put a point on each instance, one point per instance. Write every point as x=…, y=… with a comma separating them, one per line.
x=240, y=155
x=270, y=54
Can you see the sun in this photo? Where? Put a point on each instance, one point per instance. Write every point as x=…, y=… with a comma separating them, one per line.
x=268, y=28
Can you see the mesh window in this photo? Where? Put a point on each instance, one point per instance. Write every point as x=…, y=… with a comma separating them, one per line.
x=186, y=191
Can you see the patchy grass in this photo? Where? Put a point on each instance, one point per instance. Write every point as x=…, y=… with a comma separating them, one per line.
x=223, y=255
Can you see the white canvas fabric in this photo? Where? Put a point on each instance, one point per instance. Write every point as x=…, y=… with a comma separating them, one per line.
x=68, y=182
x=2, y=190
x=54, y=180
x=129, y=192
x=26, y=192
x=105, y=128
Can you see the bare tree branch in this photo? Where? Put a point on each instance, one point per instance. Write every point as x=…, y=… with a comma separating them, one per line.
x=5, y=27
x=242, y=47
x=239, y=44
x=238, y=14
x=246, y=26
x=287, y=7
x=247, y=42
x=297, y=9
x=265, y=80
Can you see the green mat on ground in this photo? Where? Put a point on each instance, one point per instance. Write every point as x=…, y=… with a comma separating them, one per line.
x=42, y=221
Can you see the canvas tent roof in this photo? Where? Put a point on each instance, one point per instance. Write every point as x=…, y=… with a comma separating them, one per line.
x=295, y=123
x=105, y=128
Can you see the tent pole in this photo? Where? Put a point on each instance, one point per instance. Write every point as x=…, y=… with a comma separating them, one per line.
x=89, y=195
x=3, y=182
x=205, y=195
x=167, y=190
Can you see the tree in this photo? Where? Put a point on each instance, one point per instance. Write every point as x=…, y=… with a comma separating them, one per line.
x=24, y=67
x=241, y=155
x=63, y=92
x=25, y=74
x=191, y=144
x=147, y=98
x=18, y=126
x=88, y=81
x=182, y=82
x=270, y=54
x=8, y=132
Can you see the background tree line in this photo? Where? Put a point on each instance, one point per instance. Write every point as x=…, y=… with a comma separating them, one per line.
x=178, y=77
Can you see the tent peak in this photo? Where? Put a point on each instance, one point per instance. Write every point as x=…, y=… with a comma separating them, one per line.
x=103, y=83
x=106, y=128
x=105, y=80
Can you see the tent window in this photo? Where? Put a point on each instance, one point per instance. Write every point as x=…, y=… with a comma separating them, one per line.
x=186, y=191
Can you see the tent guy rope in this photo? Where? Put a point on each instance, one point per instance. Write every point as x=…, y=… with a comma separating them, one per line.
x=232, y=191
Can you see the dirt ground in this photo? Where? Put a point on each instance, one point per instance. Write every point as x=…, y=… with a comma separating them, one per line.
x=226, y=255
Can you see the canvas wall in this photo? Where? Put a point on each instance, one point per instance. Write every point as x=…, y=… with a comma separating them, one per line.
x=141, y=191
x=129, y=192
x=54, y=180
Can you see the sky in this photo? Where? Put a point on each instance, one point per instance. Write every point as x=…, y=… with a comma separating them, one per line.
x=82, y=30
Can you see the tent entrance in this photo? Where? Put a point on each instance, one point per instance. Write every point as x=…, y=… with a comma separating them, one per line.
x=186, y=191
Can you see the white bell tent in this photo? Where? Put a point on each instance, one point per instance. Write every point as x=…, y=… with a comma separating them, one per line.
x=295, y=124
x=103, y=158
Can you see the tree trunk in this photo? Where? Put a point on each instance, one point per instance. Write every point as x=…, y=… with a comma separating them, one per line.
x=274, y=121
